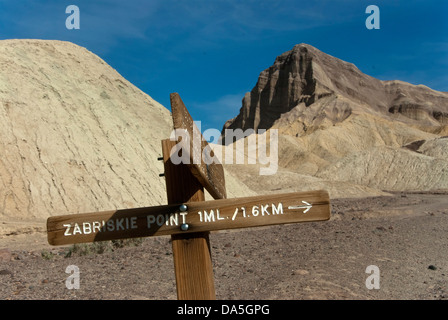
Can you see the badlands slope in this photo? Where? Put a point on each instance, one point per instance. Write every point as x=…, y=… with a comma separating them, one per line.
x=345, y=131
x=75, y=136
x=78, y=137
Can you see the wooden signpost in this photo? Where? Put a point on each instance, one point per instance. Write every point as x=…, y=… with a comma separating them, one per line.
x=211, y=176
x=187, y=217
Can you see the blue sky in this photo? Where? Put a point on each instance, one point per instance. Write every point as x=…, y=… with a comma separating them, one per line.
x=212, y=51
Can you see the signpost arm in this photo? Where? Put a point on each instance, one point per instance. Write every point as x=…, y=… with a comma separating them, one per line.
x=191, y=252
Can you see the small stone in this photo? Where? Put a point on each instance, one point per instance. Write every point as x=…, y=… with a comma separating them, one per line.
x=432, y=267
x=300, y=272
x=5, y=255
x=5, y=272
x=18, y=256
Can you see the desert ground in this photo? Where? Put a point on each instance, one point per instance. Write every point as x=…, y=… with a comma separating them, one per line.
x=404, y=235
x=77, y=137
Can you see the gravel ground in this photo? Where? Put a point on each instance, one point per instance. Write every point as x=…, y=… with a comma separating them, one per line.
x=405, y=236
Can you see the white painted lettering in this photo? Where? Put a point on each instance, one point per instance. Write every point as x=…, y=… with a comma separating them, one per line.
x=278, y=209
x=218, y=216
x=96, y=226
x=160, y=220
x=67, y=231
x=110, y=225
x=134, y=223
x=234, y=214
x=183, y=214
x=86, y=228
x=209, y=217
x=150, y=220
x=77, y=229
x=174, y=220
x=255, y=211
x=119, y=224
x=264, y=209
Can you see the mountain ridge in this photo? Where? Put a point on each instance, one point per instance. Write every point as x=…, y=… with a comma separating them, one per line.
x=76, y=136
x=305, y=76
x=334, y=122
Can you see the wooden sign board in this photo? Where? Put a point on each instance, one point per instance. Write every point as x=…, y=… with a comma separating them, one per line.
x=195, y=217
x=211, y=176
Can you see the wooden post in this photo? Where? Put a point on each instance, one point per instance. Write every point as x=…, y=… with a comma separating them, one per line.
x=185, y=185
x=191, y=252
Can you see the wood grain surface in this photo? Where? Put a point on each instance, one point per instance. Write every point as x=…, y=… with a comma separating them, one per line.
x=211, y=176
x=201, y=216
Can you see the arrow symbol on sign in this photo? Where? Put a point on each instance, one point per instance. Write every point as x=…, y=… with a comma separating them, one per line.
x=307, y=206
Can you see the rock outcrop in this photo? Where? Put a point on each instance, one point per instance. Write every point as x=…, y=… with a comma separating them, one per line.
x=311, y=90
x=345, y=131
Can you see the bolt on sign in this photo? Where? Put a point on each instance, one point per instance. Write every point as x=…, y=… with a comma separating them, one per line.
x=187, y=217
